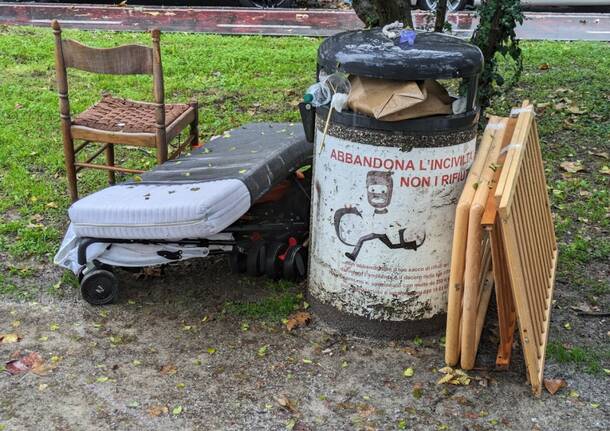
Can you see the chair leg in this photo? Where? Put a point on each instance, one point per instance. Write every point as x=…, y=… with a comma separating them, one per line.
x=70, y=168
x=194, y=130
x=110, y=162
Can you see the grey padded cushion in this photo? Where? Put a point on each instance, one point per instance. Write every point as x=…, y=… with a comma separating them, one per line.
x=259, y=154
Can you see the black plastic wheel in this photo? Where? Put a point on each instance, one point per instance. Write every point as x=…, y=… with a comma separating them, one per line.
x=83, y=270
x=295, y=263
x=255, y=260
x=273, y=264
x=99, y=287
x=237, y=261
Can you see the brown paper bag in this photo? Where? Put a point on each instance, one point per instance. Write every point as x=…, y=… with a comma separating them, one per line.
x=397, y=100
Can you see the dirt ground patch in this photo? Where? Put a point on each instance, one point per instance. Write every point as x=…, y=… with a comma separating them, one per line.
x=172, y=355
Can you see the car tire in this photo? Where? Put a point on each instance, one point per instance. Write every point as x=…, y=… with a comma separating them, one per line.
x=266, y=3
x=452, y=5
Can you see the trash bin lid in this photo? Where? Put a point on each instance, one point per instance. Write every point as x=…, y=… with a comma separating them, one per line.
x=370, y=53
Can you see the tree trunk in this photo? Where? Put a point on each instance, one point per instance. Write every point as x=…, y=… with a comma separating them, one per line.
x=377, y=13
x=441, y=15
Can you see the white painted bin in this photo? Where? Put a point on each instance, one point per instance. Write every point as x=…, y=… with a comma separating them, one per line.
x=383, y=205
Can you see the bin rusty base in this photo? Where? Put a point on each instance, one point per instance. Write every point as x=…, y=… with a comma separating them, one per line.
x=381, y=329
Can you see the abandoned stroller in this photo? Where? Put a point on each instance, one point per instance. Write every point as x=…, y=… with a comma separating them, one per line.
x=244, y=194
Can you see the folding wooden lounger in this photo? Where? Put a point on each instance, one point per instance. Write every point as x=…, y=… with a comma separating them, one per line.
x=241, y=194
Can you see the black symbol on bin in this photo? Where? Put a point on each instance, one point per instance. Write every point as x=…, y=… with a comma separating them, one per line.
x=379, y=188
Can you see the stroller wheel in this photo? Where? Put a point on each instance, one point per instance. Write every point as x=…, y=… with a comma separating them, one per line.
x=99, y=287
x=273, y=264
x=295, y=263
x=255, y=260
x=237, y=261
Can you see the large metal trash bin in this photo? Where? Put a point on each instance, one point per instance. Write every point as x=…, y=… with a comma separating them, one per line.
x=384, y=193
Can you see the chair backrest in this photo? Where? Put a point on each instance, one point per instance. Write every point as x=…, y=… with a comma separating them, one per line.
x=121, y=60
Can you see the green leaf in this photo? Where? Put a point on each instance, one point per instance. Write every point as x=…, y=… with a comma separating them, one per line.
x=177, y=410
x=408, y=372
x=262, y=351
x=102, y=379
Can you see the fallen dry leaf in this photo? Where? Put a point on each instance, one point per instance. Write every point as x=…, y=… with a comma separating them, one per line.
x=454, y=377
x=603, y=155
x=9, y=338
x=573, y=109
x=298, y=319
x=572, y=167
x=553, y=385
x=168, y=369
x=286, y=403
x=543, y=66
x=158, y=410
x=605, y=170
x=31, y=362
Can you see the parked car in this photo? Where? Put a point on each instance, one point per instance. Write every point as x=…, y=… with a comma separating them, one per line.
x=455, y=5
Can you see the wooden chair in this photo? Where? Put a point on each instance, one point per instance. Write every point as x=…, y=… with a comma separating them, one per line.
x=113, y=121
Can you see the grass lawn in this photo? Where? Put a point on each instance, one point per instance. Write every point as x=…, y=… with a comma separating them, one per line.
x=242, y=79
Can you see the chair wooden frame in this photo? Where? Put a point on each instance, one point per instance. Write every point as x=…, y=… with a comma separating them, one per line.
x=122, y=60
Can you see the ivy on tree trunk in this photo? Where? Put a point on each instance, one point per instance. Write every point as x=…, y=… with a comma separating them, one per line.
x=496, y=34
x=441, y=16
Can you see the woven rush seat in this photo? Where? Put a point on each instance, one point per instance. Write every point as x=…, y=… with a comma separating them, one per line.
x=121, y=115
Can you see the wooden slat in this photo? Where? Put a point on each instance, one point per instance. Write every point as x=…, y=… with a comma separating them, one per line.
x=489, y=216
x=179, y=124
x=487, y=287
x=121, y=60
x=94, y=135
x=456, y=277
x=474, y=251
x=513, y=158
x=108, y=168
x=97, y=153
x=507, y=318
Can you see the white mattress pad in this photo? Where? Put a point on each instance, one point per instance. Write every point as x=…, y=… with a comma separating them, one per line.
x=160, y=211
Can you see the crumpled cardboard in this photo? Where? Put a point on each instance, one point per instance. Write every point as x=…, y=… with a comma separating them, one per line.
x=388, y=100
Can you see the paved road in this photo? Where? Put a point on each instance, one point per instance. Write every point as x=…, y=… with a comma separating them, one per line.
x=318, y=22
